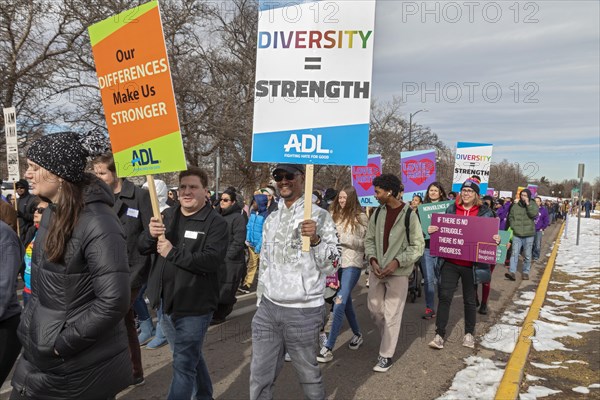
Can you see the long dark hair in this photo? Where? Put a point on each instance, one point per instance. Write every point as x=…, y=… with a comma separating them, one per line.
x=439, y=187
x=350, y=214
x=65, y=216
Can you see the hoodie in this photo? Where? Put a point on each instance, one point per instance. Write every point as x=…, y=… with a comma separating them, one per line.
x=521, y=217
x=254, y=228
x=288, y=276
x=161, y=192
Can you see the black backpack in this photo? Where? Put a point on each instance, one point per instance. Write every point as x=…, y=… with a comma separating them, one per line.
x=406, y=221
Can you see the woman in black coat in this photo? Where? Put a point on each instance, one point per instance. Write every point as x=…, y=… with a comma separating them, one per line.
x=231, y=211
x=72, y=330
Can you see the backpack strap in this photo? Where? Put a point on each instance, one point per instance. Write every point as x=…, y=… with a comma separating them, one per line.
x=407, y=223
x=377, y=214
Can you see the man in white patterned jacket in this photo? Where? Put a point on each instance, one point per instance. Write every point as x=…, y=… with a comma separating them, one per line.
x=290, y=289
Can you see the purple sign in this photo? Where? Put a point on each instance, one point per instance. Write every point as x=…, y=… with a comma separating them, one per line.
x=490, y=191
x=418, y=172
x=533, y=190
x=362, y=177
x=464, y=238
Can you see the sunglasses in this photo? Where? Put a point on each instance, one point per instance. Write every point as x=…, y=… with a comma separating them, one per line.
x=225, y=200
x=40, y=209
x=288, y=176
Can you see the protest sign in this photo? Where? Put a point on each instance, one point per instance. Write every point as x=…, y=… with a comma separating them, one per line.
x=137, y=92
x=533, y=189
x=490, y=192
x=464, y=238
x=502, y=247
x=472, y=159
x=12, y=148
x=313, y=82
x=426, y=210
x=418, y=172
x=362, y=180
x=504, y=193
x=519, y=190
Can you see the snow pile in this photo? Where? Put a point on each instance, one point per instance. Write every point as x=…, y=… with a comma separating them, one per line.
x=481, y=377
x=479, y=380
x=537, y=391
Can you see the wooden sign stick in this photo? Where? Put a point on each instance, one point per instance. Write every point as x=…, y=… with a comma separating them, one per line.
x=308, y=187
x=154, y=199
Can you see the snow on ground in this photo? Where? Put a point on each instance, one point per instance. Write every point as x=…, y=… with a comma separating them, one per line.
x=479, y=380
x=537, y=391
x=502, y=337
x=481, y=377
x=581, y=389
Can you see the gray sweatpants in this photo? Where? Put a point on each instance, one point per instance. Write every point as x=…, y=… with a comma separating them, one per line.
x=277, y=329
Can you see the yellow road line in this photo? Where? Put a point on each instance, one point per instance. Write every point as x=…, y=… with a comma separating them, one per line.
x=513, y=373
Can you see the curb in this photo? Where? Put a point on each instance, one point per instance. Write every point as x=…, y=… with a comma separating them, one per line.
x=513, y=373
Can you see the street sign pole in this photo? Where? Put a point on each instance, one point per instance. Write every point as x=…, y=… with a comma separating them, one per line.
x=580, y=172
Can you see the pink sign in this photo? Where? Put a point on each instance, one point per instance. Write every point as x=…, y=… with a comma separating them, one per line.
x=362, y=177
x=464, y=238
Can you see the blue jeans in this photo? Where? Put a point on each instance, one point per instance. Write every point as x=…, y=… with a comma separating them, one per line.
x=140, y=307
x=190, y=373
x=342, y=304
x=276, y=329
x=537, y=244
x=526, y=243
x=431, y=276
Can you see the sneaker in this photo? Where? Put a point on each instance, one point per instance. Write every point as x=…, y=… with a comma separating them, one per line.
x=510, y=276
x=367, y=283
x=437, y=342
x=483, y=309
x=244, y=289
x=525, y=277
x=287, y=357
x=325, y=355
x=383, y=364
x=469, y=341
x=429, y=313
x=355, y=342
x=138, y=381
x=156, y=343
x=322, y=339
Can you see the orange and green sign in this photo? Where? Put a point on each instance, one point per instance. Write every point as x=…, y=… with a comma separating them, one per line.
x=137, y=92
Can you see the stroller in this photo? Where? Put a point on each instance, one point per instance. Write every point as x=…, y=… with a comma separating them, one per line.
x=415, y=283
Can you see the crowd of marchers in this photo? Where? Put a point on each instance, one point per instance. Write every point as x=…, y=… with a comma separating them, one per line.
x=97, y=264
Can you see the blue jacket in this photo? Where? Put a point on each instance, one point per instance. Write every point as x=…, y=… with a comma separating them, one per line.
x=254, y=228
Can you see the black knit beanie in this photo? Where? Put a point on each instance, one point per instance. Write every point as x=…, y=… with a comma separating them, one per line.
x=63, y=153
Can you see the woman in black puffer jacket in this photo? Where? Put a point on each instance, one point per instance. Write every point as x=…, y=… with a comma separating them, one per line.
x=236, y=219
x=72, y=330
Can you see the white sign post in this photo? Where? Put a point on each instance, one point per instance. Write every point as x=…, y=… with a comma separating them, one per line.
x=12, y=148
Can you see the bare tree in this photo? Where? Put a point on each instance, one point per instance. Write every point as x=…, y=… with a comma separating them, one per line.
x=36, y=39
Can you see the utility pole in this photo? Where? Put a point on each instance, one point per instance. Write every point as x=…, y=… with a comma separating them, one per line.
x=580, y=176
x=217, y=172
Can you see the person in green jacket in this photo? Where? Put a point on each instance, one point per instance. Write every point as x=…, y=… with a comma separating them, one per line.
x=521, y=219
x=392, y=258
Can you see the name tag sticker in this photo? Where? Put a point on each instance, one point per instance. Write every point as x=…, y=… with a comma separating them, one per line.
x=191, y=235
x=132, y=212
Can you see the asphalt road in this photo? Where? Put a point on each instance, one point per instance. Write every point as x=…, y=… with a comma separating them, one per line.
x=418, y=372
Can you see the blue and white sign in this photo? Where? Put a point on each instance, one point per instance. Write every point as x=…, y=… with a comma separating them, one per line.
x=313, y=82
x=472, y=159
